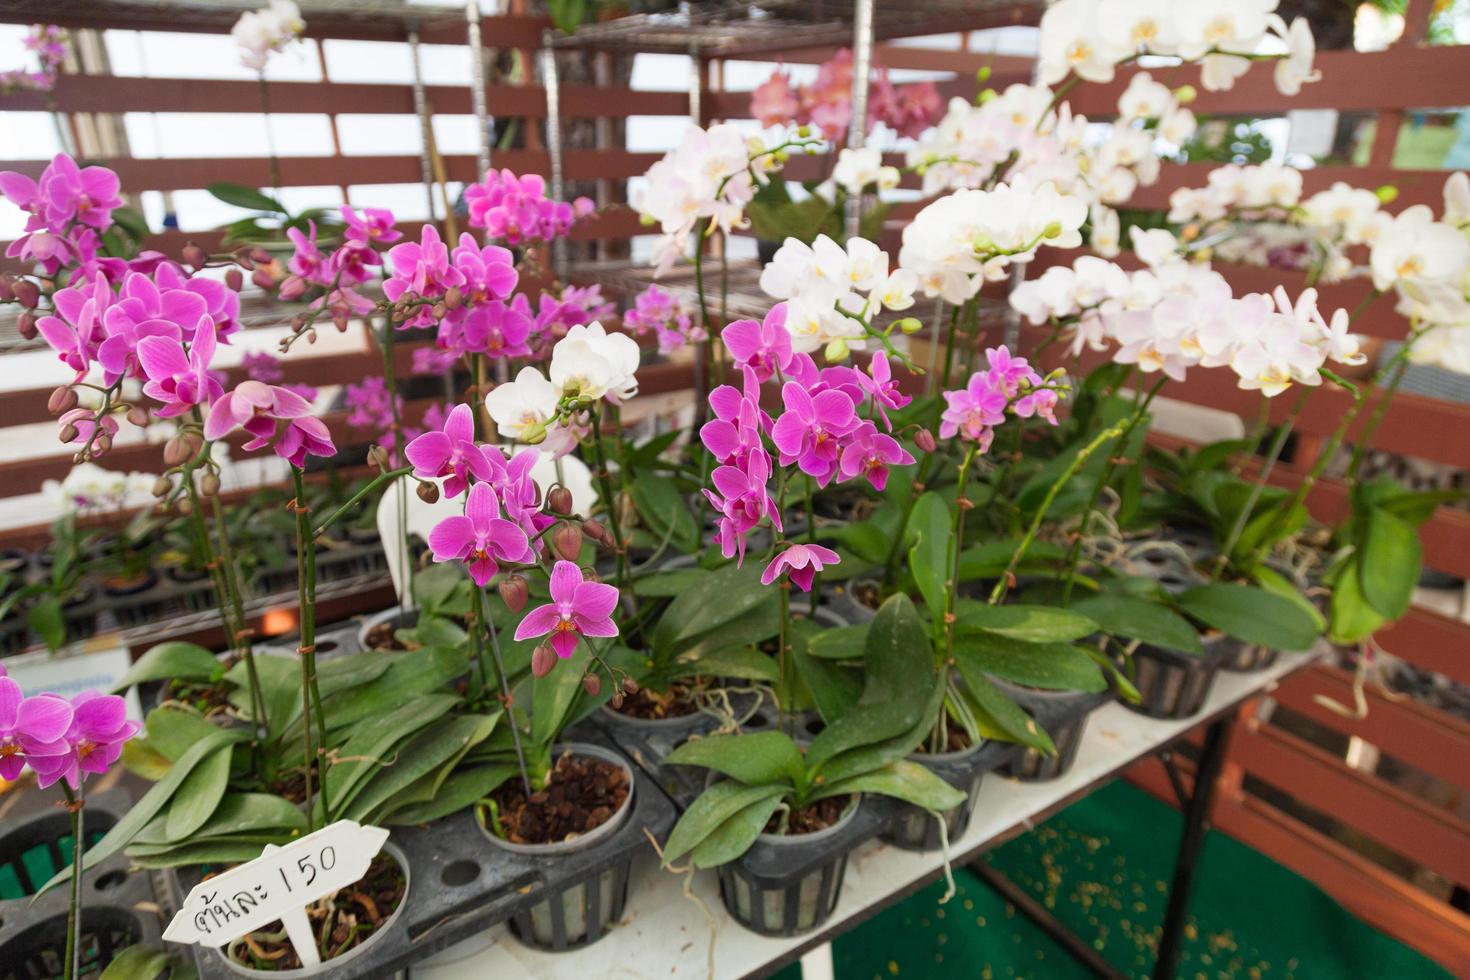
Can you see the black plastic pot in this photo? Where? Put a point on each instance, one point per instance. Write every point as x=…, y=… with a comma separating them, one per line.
x=785, y=886
x=1063, y=716
x=1172, y=684
x=114, y=902
x=1240, y=657
x=582, y=910
x=914, y=829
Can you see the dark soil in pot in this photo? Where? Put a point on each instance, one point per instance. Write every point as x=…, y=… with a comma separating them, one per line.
x=342, y=922
x=582, y=794
x=644, y=704
x=381, y=636
x=810, y=818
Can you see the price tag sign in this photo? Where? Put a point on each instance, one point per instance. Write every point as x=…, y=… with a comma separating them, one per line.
x=278, y=885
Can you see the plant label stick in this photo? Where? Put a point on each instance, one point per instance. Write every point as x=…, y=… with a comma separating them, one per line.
x=277, y=885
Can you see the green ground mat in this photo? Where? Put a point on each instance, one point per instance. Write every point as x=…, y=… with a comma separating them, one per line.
x=1103, y=867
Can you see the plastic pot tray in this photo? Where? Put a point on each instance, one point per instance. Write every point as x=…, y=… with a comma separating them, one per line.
x=114, y=902
x=463, y=885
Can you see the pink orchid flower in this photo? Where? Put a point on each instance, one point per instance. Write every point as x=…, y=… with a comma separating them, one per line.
x=421, y=269
x=801, y=563
x=94, y=740
x=879, y=383
x=451, y=453
x=481, y=538
x=374, y=225
x=488, y=273
x=870, y=453
x=808, y=432
x=577, y=608
x=272, y=416
x=87, y=195
x=30, y=728
x=973, y=410
x=77, y=334
x=496, y=330
x=220, y=301
x=764, y=346
x=179, y=380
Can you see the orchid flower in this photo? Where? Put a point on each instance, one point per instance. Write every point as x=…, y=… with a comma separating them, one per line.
x=800, y=563
x=273, y=416
x=577, y=608
x=30, y=728
x=177, y=380
x=93, y=741
x=480, y=538
x=451, y=453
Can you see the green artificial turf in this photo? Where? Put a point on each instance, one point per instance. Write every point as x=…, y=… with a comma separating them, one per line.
x=1103, y=866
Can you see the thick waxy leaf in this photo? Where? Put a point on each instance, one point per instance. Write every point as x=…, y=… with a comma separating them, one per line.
x=175, y=660
x=990, y=558
x=1034, y=624
x=834, y=688
x=999, y=716
x=744, y=663
x=903, y=780
x=369, y=748
x=461, y=789
x=899, y=672
x=762, y=622
x=152, y=802
x=839, y=643
x=1251, y=614
x=1139, y=619
x=714, y=806
x=864, y=539
x=761, y=757
x=664, y=511
x=1050, y=666
x=408, y=676
x=733, y=838
x=875, y=755
x=724, y=597
x=929, y=529
x=237, y=814
x=221, y=851
x=445, y=740
x=173, y=731
x=140, y=962
x=1391, y=563
x=1353, y=617
x=199, y=794
x=1276, y=583
x=669, y=584
x=244, y=197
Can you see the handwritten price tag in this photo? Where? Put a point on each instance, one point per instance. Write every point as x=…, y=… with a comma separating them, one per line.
x=278, y=885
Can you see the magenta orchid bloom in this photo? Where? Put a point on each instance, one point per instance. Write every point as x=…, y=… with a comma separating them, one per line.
x=801, y=563
x=520, y=496
x=577, y=608
x=94, y=740
x=421, y=269
x=741, y=497
x=143, y=310
x=765, y=347
x=308, y=261
x=77, y=334
x=30, y=728
x=180, y=380
x=373, y=225
x=735, y=431
x=452, y=454
x=488, y=273
x=881, y=386
x=808, y=432
x=1007, y=372
x=86, y=195
x=481, y=538
x=273, y=416
x=870, y=453
x=220, y=301
x=495, y=329
x=973, y=410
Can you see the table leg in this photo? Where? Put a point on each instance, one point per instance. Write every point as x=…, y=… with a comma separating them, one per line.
x=1075, y=946
x=1196, y=825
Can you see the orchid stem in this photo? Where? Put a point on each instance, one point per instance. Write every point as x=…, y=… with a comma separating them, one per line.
x=1125, y=433
x=999, y=592
x=74, y=802
x=1272, y=455
x=311, y=695
x=504, y=682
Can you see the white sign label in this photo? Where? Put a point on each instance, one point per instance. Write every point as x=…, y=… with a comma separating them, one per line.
x=277, y=885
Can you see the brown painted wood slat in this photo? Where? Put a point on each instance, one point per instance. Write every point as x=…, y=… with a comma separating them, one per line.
x=1399, y=820
x=1408, y=730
